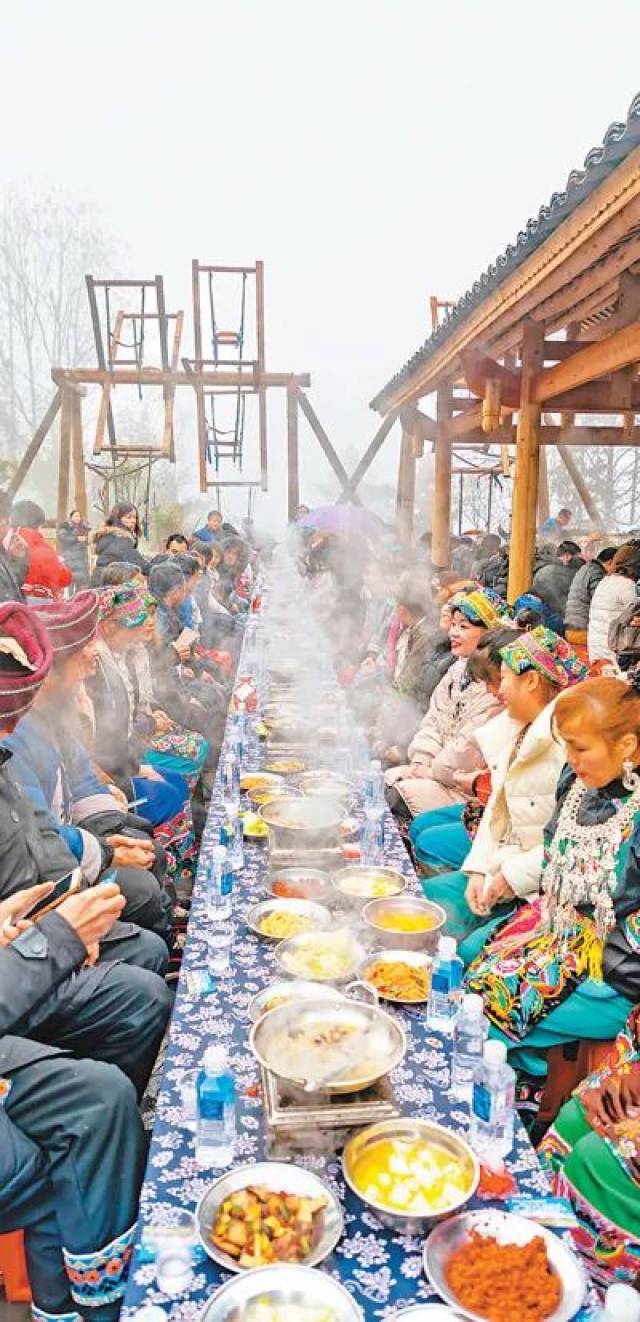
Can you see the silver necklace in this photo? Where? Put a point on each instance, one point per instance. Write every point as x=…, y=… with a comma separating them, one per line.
x=580, y=868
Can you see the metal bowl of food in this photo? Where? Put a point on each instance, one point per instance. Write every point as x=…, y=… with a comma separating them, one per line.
x=301, y=884
x=405, y=923
x=259, y=780
x=232, y=1211
x=328, y=1046
x=283, y=991
x=326, y=785
x=505, y=1228
x=320, y=956
x=264, y=794
x=285, y=766
x=361, y=882
x=401, y=976
x=411, y=1173
x=299, y=822
x=279, y=919
x=274, y=1293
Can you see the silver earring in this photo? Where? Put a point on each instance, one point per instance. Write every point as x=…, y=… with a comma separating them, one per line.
x=630, y=777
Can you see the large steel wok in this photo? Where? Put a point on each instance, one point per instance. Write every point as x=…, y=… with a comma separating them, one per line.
x=302, y=823
x=303, y=1043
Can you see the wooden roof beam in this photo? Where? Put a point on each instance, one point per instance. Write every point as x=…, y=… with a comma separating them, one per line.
x=595, y=360
x=149, y=376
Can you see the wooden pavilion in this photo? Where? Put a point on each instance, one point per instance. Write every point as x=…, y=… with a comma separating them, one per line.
x=550, y=331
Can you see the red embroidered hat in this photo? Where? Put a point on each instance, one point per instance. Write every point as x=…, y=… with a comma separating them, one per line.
x=25, y=658
x=70, y=624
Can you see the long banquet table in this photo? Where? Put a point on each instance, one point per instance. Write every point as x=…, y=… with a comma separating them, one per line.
x=382, y=1270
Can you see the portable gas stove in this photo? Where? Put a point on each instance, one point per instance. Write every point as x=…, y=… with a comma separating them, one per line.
x=300, y=1121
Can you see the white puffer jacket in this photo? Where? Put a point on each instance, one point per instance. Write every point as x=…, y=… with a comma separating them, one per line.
x=610, y=598
x=510, y=835
x=456, y=709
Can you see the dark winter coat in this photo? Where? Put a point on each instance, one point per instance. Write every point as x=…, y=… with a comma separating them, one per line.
x=12, y=575
x=73, y=546
x=116, y=545
x=582, y=588
x=553, y=581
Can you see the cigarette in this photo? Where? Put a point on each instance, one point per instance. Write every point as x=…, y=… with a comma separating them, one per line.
x=135, y=803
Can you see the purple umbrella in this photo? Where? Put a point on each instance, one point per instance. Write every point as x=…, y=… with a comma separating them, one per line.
x=344, y=519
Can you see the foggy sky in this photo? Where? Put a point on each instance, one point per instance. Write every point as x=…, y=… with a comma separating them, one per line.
x=372, y=152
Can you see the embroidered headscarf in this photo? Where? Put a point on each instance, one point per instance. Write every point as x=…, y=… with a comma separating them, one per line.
x=123, y=605
x=481, y=606
x=545, y=651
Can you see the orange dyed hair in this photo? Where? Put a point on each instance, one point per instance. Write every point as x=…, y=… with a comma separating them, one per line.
x=609, y=706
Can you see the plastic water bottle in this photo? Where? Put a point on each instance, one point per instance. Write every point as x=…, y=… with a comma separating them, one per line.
x=446, y=984
x=621, y=1304
x=216, y=1110
x=231, y=837
x=373, y=794
x=230, y=783
x=372, y=840
x=470, y=1031
x=219, y=885
x=238, y=734
x=493, y=1103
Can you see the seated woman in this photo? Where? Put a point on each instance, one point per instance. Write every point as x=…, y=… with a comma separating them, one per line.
x=458, y=706
x=401, y=704
x=567, y=966
x=440, y=838
x=162, y=799
x=593, y=1150
x=504, y=863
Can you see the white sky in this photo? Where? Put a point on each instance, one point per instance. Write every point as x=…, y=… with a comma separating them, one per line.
x=372, y=152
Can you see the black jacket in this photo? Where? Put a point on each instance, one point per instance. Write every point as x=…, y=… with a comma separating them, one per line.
x=73, y=546
x=116, y=545
x=12, y=575
x=553, y=582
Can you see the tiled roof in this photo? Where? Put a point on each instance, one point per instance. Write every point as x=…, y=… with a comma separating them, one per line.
x=618, y=142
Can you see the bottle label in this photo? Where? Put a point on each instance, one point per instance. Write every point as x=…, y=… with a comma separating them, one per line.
x=441, y=980
x=211, y=1109
x=481, y=1103
x=226, y=883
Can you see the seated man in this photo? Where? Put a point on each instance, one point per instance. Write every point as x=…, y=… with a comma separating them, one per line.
x=70, y=1129
x=32, y=848
x=53, y=769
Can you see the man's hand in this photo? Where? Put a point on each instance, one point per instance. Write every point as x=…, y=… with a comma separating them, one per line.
x=91, y=913
x=120, y=797
x=13, y=910
x=131, y=851
x=498, y=891
x=474, y=894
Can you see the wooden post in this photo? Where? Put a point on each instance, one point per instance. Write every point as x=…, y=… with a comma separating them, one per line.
x=77, y=456
x=325, y=444
x=197, y=349
x=64, y=461
x=262, y=394
x=441, y=521
x=293, y=476
x=580, y=484
x=525, y=479
x=33, y=447
x=406, y=492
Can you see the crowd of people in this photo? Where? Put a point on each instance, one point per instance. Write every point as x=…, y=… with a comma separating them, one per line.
x=510, y=738
x=115, y=676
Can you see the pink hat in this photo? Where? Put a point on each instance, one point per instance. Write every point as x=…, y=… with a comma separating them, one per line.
x=25, y=658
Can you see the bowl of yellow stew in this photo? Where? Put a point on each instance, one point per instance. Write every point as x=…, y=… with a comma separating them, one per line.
x=411, y=1173
x=405, y=922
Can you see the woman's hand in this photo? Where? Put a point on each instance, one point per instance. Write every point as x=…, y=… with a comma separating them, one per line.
x=464, y=781
x=419, y=770
x=13, y=911
x=474, y=894
x=148, y=773
x=120, y=797
x=498, y=891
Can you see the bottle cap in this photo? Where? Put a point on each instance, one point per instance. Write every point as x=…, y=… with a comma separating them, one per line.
x=622, y=1303
x=495, y=1053
x=447, y=947
x=215, y=1059
x=376, y=765
x=472, y=1004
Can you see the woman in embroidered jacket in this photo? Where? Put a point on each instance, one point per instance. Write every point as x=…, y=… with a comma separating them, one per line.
x=502, y=867
x=567, y=966
x=594, y=1151
x=441, y=746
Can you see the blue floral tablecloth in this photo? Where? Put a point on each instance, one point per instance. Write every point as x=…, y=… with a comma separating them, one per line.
x=383, y=1271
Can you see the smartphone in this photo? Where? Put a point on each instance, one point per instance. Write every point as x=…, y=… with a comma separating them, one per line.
x=64, y=887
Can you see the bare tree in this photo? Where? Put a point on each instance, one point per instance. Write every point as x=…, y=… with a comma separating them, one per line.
x=48, y=242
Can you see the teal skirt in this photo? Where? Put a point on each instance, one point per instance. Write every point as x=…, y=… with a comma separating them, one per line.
x=439, y=839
